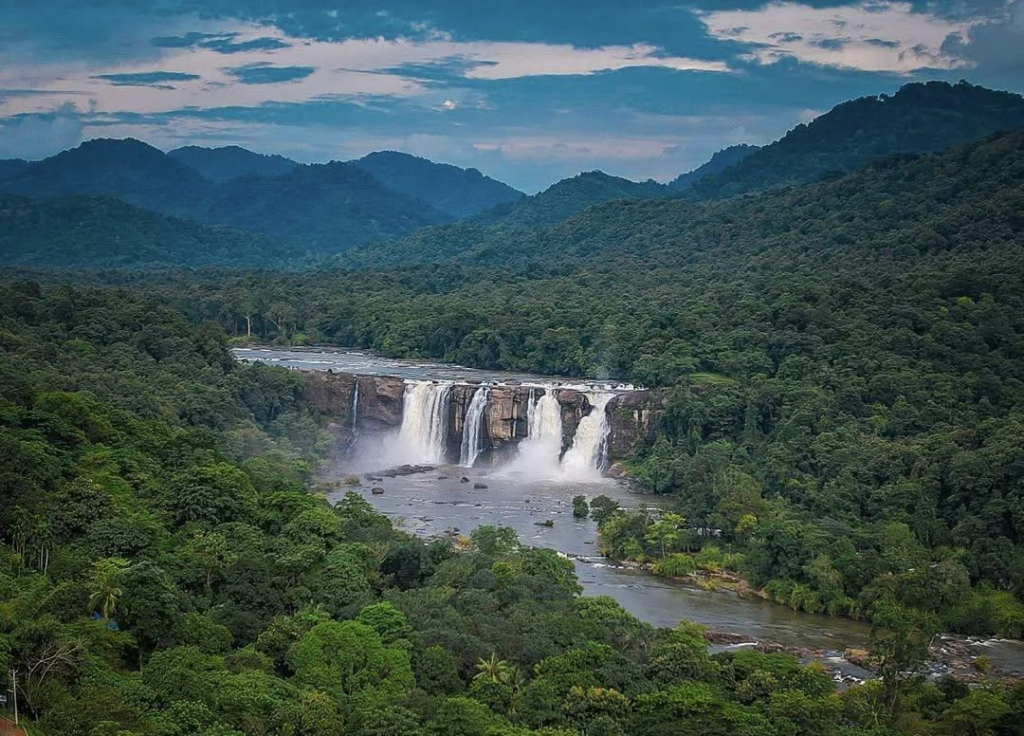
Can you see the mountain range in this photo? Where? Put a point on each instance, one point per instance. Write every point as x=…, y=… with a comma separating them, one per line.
x=372, y=203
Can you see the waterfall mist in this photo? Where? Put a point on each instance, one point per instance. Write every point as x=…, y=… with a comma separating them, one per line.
x=538, y=454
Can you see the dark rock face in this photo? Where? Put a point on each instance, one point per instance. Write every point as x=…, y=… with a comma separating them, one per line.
x=458, y=403
x=330, y=393
x=506, y=415
x=575, y=406
x=632, y=420
x=380, y=402
x=333, y=394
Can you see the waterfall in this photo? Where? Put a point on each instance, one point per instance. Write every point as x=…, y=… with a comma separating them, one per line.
x=472, y=427
x=355, y=405
x=539, y=451
x=423, y=435
x=585, y=459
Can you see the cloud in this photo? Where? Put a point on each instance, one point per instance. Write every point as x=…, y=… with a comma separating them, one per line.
x=266, y=73
x=188, y=40
x=157, y=79
x=355, y=68
x=38, y=136
x=996, y=48
x=230, y=46
x=871, y=35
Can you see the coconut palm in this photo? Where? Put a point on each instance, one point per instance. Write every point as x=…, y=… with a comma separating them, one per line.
x=104, y=586
x=492, y=668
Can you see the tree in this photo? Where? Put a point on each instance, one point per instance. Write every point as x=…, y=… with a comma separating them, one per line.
x=493, y=669
x=667, y=532
x=899, y=642
x=580, y=508
x=603, y=508
x=104, y=586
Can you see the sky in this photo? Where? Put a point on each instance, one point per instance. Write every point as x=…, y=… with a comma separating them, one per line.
x=527, y=91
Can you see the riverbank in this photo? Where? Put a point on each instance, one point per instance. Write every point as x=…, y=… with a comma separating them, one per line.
x=963, y=658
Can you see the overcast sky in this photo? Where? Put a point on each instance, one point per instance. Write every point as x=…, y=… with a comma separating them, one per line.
x=528, y=91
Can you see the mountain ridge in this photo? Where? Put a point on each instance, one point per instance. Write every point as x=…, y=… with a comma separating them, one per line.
x=225, y=163
x=348, y=207
x=922, y=117
x=103, y=232
x=456, y=191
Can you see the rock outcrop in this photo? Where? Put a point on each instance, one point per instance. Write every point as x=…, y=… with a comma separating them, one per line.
x=380, y=402
x=506, y=415
x=633, y=419
x=331, y=394
x=575, y=406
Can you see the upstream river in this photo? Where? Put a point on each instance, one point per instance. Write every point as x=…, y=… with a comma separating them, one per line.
x=440, y=501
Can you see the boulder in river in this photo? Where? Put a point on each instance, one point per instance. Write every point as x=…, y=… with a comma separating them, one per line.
x=377, y=491
x=464, y=479
x=617, y=470
x=479, y=486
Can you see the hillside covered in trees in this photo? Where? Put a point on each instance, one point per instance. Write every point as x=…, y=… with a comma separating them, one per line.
x=455, y=191
x=101, y=232
x=164, y=571
x=919, y=118
x=322, y=208
x=843, y=363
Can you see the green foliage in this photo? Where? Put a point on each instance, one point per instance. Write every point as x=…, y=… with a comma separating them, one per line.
x=96, y=232
x=580, y=507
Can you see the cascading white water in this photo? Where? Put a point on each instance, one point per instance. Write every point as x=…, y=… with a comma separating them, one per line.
x=585, y=458
x=355, y=406
x=422, y=437
x=472, y=427
x=540, y=450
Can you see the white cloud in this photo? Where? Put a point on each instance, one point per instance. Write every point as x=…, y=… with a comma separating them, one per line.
x=365, y=67
x=38, y=137
x=873, y=35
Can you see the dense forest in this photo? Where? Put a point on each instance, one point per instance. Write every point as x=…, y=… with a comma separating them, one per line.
x=101, y=232
x=164, y=571
x=842, y=364
x=837, y=358
x=919, y=118
x=324, y=208
x=449, y=189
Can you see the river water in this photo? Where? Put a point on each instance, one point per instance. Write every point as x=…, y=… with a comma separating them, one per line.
x=440, y=501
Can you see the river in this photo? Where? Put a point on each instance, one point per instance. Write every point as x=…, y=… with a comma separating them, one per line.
x=440, y=501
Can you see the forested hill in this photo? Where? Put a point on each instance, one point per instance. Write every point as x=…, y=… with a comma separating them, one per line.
x=324, y=208
x=919, y=118
x=449, y=189
x=719, y=162
x=165, y=571
x=956, y=199
x=128, y=169
x=842, y=364
x=568, y=197
x=231, y=162
x=101, y=232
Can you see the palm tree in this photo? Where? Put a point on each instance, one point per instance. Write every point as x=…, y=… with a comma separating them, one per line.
x=494, y=669
x=103, y=583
